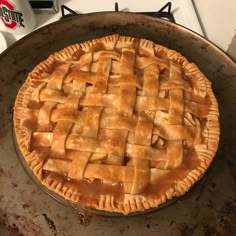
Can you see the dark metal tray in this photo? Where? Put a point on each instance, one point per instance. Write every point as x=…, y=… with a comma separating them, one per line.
x=208, y=209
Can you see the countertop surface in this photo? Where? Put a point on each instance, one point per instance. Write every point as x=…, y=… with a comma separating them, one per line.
x=218, y=21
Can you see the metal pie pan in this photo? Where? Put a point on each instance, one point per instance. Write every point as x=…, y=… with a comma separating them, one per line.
x=24, y=55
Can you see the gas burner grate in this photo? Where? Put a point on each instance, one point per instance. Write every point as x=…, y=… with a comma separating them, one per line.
x=163, y=13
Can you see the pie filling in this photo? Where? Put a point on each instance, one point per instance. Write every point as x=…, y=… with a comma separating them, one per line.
x=117, y=124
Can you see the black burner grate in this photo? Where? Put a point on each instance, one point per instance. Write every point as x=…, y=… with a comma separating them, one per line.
x=164, y=12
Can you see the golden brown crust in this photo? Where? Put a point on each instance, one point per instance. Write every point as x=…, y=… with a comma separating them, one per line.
x=110, y=47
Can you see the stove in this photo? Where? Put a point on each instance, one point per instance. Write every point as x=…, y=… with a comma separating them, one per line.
x=164, y=13
x=183, y=11
x=48, y=11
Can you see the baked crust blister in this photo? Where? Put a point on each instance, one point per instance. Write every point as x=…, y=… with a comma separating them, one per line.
x=117, y=123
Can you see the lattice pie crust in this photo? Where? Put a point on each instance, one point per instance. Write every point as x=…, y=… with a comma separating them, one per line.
x=117, y=123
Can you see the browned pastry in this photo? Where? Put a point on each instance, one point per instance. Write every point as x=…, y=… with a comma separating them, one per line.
x=117, y=124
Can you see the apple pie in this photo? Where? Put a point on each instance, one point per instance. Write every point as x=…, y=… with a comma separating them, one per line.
x=118, y=124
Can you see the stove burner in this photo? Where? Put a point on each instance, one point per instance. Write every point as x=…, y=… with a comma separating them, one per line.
x=164, y=12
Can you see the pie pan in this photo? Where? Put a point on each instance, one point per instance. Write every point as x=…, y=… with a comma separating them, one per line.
x=21, y=57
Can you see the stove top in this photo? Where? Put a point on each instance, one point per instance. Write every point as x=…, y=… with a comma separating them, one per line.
x=183, y=11
x=46, y=12
x=165, y=12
